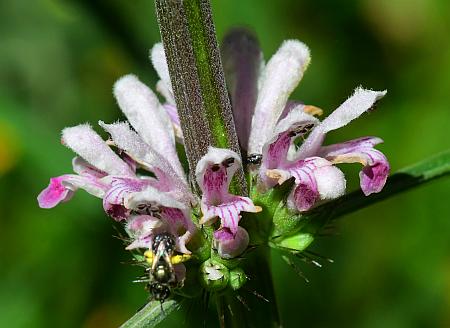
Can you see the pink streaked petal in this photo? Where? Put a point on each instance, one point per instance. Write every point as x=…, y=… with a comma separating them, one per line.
x=62, y=188
x=376, y=168
x=214, y=172
x=315, y=179
x=230, y=245
x=55, y=193
x=84, y=141
x=130, y=142
x=296, y=124
x=304, y=196
x=141, y=242
x=120, y=188
x=229, y=212
x=373, y=177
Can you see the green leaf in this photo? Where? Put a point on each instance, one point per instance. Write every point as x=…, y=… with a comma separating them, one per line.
x=152, y=314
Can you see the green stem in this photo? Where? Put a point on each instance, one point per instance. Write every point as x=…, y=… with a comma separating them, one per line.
x=196, y=72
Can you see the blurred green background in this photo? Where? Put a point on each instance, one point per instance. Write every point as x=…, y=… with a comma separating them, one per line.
x=58, y=61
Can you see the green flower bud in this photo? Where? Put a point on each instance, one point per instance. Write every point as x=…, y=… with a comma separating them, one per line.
x=237, y=278
x=214, y=276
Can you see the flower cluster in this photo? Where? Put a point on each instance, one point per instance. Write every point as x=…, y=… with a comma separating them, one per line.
x=282, y=139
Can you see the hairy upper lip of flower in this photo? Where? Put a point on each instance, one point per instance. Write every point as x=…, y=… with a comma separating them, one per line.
x=268, y=125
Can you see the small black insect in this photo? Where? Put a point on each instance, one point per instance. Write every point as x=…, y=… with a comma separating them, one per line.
x=254, y=159
x=161, y=274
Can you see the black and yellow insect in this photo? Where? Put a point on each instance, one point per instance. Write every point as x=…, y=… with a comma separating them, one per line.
x=161, y=258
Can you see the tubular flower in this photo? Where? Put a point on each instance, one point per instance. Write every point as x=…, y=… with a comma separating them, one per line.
x=149, y=204
x=284, y=137
x=160, y=202
x=214, y=172
x=140, y=178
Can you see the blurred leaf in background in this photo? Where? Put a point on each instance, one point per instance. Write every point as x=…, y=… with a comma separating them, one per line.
x=58, y=62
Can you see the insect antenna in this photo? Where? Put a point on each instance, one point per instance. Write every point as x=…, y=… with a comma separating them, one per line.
x=297, y=270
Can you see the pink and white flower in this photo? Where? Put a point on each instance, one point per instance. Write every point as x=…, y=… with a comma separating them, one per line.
x=260, y=93
x=214, y=173
x=147, y=203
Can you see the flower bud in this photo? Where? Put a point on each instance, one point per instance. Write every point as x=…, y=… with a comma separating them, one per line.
x=237, y=278
x=214, y=276
x=229, y=246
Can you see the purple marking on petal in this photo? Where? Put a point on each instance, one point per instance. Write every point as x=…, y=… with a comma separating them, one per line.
x=349, y=146
x=277, y=151
x=376, y=168
x=305, y=196
x=113, y=202
x=215, y=181
x=223, y=234
x=230, y=245
x=373, y=178
x=55, y=193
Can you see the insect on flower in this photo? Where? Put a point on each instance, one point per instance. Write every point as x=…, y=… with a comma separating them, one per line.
x=162, y=275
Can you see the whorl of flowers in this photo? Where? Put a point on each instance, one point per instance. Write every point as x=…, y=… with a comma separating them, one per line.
x=283, y=140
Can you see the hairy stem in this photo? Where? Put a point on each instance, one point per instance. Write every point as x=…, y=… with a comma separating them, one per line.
x=196, y=72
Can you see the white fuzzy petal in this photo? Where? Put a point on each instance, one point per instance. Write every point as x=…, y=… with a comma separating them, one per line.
x=84, y=141
x=361, y=101
x=352, y=108
x=330, y=182
x=151, y=195
x=129, y=141
x=281, y=75
x=159, y=61
x=147, y=116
